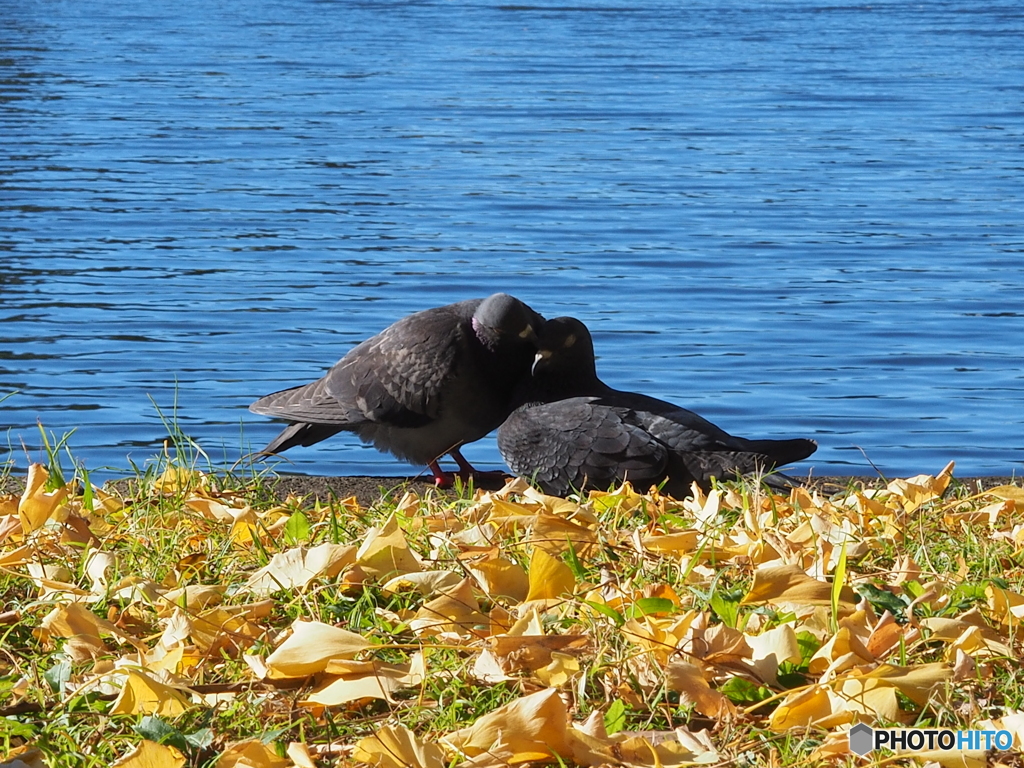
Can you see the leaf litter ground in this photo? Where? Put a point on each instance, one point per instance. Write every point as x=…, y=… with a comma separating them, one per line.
x=197, y=621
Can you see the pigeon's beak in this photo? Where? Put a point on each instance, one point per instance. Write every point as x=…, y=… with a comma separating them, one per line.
x=539, y=358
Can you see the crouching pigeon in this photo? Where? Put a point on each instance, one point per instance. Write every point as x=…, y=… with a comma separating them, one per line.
x=573, y=432
x=422, y=387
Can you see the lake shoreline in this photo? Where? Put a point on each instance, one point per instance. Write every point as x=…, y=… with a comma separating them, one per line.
x=369, y=489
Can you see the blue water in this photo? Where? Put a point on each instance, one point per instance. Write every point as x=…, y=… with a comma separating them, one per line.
x=797, y=219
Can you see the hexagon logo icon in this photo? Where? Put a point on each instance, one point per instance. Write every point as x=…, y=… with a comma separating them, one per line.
x=862, y=739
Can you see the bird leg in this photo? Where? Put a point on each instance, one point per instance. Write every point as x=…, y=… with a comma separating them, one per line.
x=466, y=471
x=441, y=478
x=465, y=468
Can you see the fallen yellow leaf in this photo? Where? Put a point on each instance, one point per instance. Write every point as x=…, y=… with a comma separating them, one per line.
x=688, y=680
x=790, y=584
x=385, y=551
x=24, y=757
x=149, y=754
x=251, y=754
x=500, y=577
x=310, y=647
x=297, y=568
x=37, y=505
x=456, y=611
x=424, y=582
x=805, y=707
x=533, y=726
x=918, y=683
x=145, y=695
x=395, y=746
x=771, y=648
x=550, y=578
x=1008, y=492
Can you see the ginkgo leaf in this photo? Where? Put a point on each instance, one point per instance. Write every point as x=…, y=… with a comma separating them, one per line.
x=251, y=754
x=213, y=509
x=149, y=754
x=37, y=505
x=1005, y=605
x=143, y=694
x=345, y=689
x=661, y=750
x=660, y=636
x=550, y=578
x=1008, y=492
x=771, y=648
x=990, y=514
x=689, y=682
x=790, y=584
x=456, y=611
x=561, y=668
x=424, y=582
x=227, y=628
x=385, y=551
x=356, y=680
x=310, y=646
x=886, y=636
x=395, y=746
x=193, y=598
x=973, y=641
x=24, y=757
x=488, y=669
x=556, y=535
x=918, y=682
x=868, y=696
x=532, y=727
x=75, y=620
x=18, y=556
x=682, y=542
x=501, y=577
x=96, y=567
x=297, y=568
x=844, y=643
x=176, y=479
x=920, y=489
x=298, y=753
x=802, y=708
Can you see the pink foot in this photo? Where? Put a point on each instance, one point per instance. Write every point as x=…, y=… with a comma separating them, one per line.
x=441, y=478
x=490, y=479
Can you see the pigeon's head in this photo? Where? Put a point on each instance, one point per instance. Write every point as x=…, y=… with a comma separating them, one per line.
x=504, y=319
x=565, y=349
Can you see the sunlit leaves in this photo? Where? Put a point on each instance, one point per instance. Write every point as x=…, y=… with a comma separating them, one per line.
x=510, y=627
x=149, y=754
x=310, y=647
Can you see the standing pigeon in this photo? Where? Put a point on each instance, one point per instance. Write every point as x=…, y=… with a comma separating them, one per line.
x=574, y=432
x=420, y=388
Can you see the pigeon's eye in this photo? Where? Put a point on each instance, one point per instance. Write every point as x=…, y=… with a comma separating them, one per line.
x=569, y=340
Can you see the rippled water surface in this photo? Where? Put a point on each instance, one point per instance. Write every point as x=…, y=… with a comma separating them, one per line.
x=794, y=218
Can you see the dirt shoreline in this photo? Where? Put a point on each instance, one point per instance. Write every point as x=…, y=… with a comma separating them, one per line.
x=370, y=489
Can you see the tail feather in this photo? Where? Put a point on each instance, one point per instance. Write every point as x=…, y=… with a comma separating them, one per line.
x=780, y=452
x=300, y=433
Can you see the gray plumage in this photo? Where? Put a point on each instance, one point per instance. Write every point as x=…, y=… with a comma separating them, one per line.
x=574, y=432
x=422, y=387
